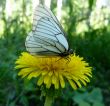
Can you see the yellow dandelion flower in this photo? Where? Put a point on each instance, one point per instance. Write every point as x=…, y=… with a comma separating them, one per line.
x=54, y=71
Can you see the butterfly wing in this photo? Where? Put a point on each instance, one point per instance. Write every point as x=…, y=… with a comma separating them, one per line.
x=42, y=11
x=47, y=37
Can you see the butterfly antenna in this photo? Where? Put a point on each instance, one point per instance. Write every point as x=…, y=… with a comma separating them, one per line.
x=68, y=59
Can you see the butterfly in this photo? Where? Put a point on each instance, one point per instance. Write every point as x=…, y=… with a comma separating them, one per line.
x=47, y=37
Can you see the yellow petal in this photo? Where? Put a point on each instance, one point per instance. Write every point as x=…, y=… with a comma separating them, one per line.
x=25, y=71
x=62, y=82
x=50, y=73
x=46, y=79
x=40, y=81
x=33, y=74
x=85, y=78
x=83, y=82
x=19, y=66
x=56, y=84
x=55, y=81
x=44, y=72
x=24, y=75
x=89, y=74
x=48, y=83
x=78, y=83
x=73, y=85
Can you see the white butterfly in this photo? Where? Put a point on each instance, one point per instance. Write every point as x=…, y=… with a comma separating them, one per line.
x=47, y=37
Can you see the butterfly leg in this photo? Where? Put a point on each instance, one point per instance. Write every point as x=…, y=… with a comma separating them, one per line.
x=59, y=59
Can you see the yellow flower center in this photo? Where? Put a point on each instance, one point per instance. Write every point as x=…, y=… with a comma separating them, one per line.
x=52, y=64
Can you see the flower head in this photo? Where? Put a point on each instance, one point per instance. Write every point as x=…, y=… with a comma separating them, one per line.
x=54, y=70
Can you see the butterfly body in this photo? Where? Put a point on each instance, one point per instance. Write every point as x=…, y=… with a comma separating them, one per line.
x=47, y=37
x=67, y=53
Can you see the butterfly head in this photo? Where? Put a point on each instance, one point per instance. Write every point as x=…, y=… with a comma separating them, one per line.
x=70, y=51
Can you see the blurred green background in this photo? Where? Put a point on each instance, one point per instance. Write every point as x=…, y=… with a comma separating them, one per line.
x=87, y=24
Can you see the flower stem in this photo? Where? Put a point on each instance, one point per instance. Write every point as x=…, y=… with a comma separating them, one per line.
x=49, y=100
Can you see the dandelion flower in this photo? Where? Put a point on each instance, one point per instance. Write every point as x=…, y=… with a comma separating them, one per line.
x=55, y=70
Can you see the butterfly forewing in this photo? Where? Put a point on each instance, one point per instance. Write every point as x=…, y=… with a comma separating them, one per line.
x=47, y=37
x=40, y=12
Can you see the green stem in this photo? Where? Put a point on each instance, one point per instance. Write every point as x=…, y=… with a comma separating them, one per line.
x=49, y=100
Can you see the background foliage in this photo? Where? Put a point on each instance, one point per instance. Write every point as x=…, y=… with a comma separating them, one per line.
x=88, y=31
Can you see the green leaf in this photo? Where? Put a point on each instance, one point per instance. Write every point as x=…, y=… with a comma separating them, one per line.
x=83, y=103
x=94, y=97
x=98, y=104
x=12, y=104
x=24, y=101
